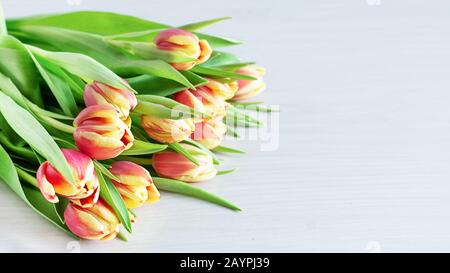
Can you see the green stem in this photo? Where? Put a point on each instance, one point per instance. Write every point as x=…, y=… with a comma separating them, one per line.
x=186, y=189
x=21, y=151
x=27, y=177
x=137, y=160
x=58, y=124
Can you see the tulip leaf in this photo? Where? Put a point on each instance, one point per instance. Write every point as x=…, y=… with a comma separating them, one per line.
x=83, y=66
x=181, y=150
x=216, y=72
x=224, y=149
x=107, y=24
x=218, y=42
x=186, y=189
x=143, y=148
x=176, y=107
x=32, y=197
x=226, y=171
x=102, y=23
x=202, y=24
x=25, y=125
x=219, y=58
x=111, y=196
x=148, y=51
x=60, y=89
x=152, y=85
x=152, y=67
x=60, y=207
x=216, y=160
x=17, y=65
x=104, y=170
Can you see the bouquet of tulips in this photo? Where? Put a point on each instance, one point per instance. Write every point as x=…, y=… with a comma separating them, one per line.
x=99, y=111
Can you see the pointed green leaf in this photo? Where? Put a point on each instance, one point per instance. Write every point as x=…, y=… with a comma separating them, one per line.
x=202, y=24
x=224, y=149
x=186, y=189
x=25, y=125
x=144, y=148
x=111, y=196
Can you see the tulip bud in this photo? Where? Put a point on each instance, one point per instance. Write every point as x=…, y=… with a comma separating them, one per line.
x=173, y=165
x=83, y=191
x=96, y=223
x=209, y=133
x=249, y=88
x=224, y=91
x=100, y=133
x=167, y=130
x=187, y=98
x=135, y=184
x=122, y=100
x=186, y=44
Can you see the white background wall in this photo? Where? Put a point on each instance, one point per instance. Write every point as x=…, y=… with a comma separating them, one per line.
x=364, y=157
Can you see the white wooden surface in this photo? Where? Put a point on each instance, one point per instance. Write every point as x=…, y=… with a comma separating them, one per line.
x=364, y=157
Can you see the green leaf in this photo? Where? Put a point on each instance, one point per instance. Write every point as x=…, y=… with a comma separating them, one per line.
x=17, y=65
x=216, y=72
x=60, y=89
x=152, y=85
x=226, y=171
x=82, y=66
x=102, y=23
x=60, y=207
x=223, y=149
x=202, y=24
x=186, y=189
x=151, y=67
x=179, y=149
x=216, y=160
x=105, y=171
x=255, y=107
x=25, y=125
x=148, y=51
x=143, y=148
x=218, y=42
x=219, y=58
x=111, y=196
x=33, y=198
x=179, y=110
x=107, y=24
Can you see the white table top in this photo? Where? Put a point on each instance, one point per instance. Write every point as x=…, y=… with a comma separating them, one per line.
x=363, y=162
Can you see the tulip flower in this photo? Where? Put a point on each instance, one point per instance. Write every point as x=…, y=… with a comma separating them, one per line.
x=122, y=100
x=100, y=133
x=213, y=105
x=167, y=130
x=249, y=88
x=96, y=223
x=171, y=164
x=224, y=91
x=135, y=184
x=83, y=191
x=187, y=98
x=209, y=133
x=186, y=44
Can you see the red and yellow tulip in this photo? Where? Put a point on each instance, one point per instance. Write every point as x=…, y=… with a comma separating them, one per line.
x=100, y=133
x=83, y=191
x=173, y=165
x=186, y=44
x=95, y=223
x=249, y=88
x=167, y=130
x=122, y=100
x=135, y=184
